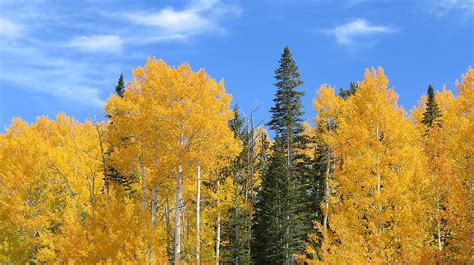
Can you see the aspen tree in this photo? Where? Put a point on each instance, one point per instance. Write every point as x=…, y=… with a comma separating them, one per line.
x=191, y=112
x=376, y=210
x=449, y=147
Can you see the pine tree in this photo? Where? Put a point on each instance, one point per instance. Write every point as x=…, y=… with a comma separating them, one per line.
x=236, y=231
x=317, y=182
x=346, y=93
x=287, y=181
x=113, y=175
x=269, y=231
x=120, y=88
x=287, y=114
x=432, y=115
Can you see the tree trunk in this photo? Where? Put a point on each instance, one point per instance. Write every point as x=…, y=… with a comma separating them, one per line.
x=251, y=199
x=218, y=228
x=169, y=236
x=184, y=234
x=71, y=193
x=153, y=206
x=177, y=219
x=198, y=227
x=379, y=207
x=326, y=187
x=102, y=152
x=440, y=246
x=287, y=229
x=142, y=174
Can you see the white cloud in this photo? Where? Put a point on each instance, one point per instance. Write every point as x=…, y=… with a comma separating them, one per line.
x=97, y=43
x=197, y=17
x=345, y=34
x=441, y=7
x=145, y=39
x=8, y=28
x=42, y=61
x=62, y=78
x=172, y=21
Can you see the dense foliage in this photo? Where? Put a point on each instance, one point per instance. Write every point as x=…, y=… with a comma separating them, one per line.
x=175, y=175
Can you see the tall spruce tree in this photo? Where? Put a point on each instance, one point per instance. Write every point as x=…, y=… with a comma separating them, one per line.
x=120, y=88
x=270, y=217
x=287, y=114
x=432, y=115
x=282, y=202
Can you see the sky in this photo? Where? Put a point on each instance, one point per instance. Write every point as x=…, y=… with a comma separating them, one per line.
x=66, y=56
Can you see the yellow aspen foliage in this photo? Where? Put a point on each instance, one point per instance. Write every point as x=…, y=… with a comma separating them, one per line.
x=449, y=148
x=309, y=133
x=391, y=188
x=45, y=168
x=376, y=200
x=169, y=122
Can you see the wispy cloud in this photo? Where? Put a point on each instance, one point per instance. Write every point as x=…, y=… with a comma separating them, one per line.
x=347, y=33
x=58, y=77
x=196, y=18
x=9, y=29
x=441, y=7
x=38, y=41
x=97, y=43
x=171, y=20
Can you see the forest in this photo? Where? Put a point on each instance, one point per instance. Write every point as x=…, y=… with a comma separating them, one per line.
x=175, y=173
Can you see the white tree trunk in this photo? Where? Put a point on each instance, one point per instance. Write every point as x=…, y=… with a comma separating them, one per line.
x=218, y=232
x=198, y=212
x=184, y=234
x=177, y=219
x=169, y=229
x=142, y=173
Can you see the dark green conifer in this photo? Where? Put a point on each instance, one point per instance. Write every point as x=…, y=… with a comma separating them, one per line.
x=287, y=114
x=432, y=115
x=346, y=93
x=268, y=246
x=236, y=230
x=281, y=218
x=120, y=87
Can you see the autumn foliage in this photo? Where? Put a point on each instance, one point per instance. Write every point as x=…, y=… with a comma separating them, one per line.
x=156, y=181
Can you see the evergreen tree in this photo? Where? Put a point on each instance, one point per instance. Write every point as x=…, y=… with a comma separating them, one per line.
x=287, y=114
x=120, y=88
x=319, y=167
x=279, y=226
x=113, y=175
x=346, y=93
x=269, y=232
x=286, y=177
x=432, y=115
x=236, y=231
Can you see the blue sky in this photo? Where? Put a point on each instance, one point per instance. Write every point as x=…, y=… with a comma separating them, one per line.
x=66, y=56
